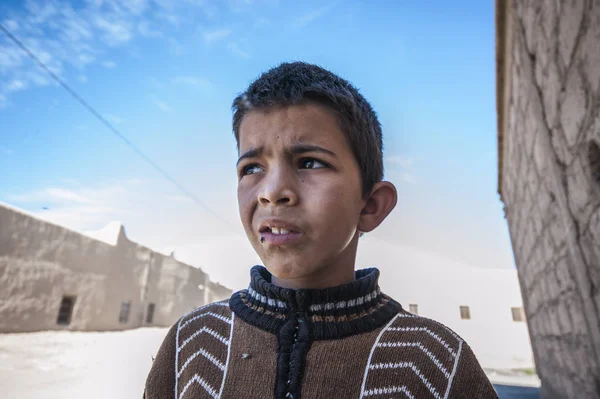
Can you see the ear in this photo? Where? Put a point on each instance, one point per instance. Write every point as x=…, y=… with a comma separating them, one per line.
x=378, y=205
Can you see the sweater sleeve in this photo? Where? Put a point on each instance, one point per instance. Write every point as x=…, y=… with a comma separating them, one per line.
x=470, y=380
x=160, y=383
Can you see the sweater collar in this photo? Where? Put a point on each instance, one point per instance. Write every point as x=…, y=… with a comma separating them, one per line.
x=335, y=312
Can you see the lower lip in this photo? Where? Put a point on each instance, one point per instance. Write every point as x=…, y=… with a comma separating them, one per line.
x=279, y=239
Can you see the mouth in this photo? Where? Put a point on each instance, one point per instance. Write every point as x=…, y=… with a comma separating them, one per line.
x=277, y=232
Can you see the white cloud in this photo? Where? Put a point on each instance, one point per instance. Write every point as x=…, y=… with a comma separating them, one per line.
x=79, y=208
x=64, y=36
x=237, y=51
x=163, y=106
x=191, y=81
x=115, y=32
x=154, y=213
x=136, y=7
x=40, y=12
x=311, y=16
x=10, y=57
x=109, y=64
x=16, y=85
x=59, y=35
x=216, y=35
x=52, y=195
x=84, y=59
x=11, y=25
x=61, y=194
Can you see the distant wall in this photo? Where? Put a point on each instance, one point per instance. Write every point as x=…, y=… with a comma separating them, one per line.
x=498, y=341
x=40, y=263
x=439, y=287
x=548, y=55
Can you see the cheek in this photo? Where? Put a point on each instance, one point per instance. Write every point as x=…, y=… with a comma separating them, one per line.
x=245, y=202
x=336, y=208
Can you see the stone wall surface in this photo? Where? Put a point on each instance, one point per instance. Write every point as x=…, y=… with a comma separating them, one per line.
x=40, y=263
x=551, y=118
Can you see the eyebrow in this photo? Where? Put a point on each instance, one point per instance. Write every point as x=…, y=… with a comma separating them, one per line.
x=296, y=149
x=252, y=153
x=304, y=148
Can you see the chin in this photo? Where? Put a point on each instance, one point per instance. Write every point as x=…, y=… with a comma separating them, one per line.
x=282, y=271
x=285, y=270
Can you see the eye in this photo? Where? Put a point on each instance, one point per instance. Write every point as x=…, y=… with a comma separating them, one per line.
x=250, y=170
x=311, y=163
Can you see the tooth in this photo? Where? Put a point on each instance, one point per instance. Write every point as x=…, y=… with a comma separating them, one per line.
x=283, y=231
x=275, y=230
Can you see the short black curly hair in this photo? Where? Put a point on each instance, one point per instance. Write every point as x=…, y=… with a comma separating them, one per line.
x=298, y=83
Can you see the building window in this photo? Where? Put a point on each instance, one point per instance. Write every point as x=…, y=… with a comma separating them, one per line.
x=413, y=308
x=594, y=160
x=124, y=313
x=465, y=313
x=66, y=310
x=518, y=314
x=150, y=313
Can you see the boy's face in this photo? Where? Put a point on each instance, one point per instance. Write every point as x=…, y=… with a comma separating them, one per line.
x=299, y=194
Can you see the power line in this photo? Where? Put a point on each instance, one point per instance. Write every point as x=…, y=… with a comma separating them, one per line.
x=109, y=125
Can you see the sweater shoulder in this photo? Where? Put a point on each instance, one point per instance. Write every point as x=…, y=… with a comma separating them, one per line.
x=408, y=322
x=210, y=314
x=412, y=345
x=194, y=354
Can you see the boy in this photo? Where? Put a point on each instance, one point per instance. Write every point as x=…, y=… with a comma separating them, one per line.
x=310, y=182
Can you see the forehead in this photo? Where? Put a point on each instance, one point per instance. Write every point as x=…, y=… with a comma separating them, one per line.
x=307, y=123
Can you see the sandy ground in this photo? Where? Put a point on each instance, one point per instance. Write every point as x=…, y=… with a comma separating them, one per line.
x=65, y=365
x=94, y=365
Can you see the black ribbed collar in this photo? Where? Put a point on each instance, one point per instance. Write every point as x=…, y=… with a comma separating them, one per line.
x=335, y=312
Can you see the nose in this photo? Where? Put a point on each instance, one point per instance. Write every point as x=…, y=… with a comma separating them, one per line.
x=278, y=189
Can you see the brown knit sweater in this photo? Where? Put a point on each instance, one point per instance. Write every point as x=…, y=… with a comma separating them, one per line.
x=350, y=341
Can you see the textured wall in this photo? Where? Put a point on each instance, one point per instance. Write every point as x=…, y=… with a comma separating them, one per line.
x=41, y=262
x=549, y=103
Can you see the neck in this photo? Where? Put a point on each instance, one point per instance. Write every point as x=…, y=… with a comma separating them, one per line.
x=332, y=273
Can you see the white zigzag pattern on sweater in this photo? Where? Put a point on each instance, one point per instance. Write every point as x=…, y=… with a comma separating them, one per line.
x=388, y=390
x=203, y=384
x=428, y=331
x=419, y=345
x=411, y=365
x=215, y=315
x=223, y=367
x=207, y=355
x=202, y=330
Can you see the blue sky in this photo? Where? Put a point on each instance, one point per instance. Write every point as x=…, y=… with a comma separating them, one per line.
x=165, y=72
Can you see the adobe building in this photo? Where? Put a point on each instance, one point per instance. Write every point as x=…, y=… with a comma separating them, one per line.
x=548, y=103
x=52, y=278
